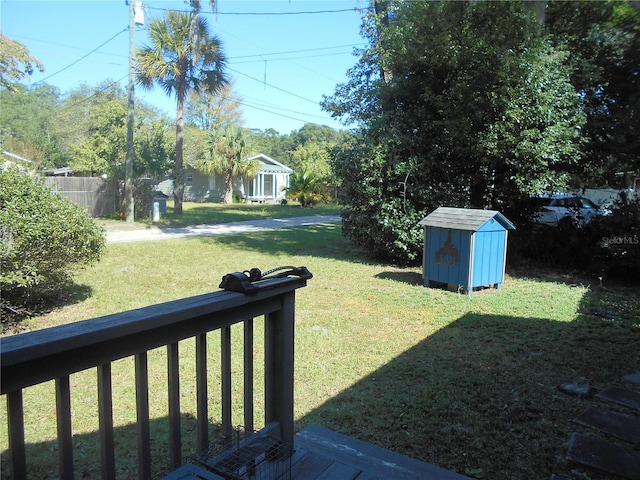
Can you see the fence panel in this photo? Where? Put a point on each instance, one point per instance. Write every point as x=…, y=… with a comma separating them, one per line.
x=93, y=194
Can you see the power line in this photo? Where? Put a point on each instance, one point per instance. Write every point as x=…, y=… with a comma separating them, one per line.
x=86, y=99
x=272, y=106
x=259, y=57
x=81, y=58
x=301, y=51
x=273, y=86
x=55, y=44
x=275, y=113
x=260, y=14
x=289, y=58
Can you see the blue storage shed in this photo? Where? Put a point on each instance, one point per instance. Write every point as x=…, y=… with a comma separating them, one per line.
x=465, y=248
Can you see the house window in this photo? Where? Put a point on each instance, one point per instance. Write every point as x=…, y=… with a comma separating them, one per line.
x=189, y=177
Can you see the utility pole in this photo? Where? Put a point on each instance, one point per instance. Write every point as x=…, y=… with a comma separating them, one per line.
x=128, y=176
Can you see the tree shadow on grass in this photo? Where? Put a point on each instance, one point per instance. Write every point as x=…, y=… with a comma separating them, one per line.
x=42, y=458
x=321, y=240
x=480, y=395
x=43, y=300
x=409, y=278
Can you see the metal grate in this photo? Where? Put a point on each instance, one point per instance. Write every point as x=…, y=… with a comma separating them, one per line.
x=248, y=455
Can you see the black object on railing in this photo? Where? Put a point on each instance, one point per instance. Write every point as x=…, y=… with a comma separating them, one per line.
x=249, y=281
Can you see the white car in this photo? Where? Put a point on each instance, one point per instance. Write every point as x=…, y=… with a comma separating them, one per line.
x=549, y=210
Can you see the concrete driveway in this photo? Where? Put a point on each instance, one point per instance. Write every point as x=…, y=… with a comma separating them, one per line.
x=163, y=233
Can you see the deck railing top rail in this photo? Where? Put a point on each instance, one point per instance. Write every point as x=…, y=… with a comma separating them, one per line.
x=35, y=357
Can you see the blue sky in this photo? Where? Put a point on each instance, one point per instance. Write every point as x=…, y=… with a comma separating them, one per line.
x=281, y=64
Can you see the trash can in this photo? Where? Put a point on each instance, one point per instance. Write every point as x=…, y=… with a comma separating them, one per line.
x=162, y=203
x=465, y=248
x=158, y=207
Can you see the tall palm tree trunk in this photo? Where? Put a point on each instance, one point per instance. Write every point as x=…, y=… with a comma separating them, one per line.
x=228, y=187
x=178, y=168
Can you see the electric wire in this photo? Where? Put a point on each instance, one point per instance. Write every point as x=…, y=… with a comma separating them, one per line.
x=273, y=86
x=299, y=51
x=261, y=58
x=94, y=94
x=264, y=14
x=81, y=58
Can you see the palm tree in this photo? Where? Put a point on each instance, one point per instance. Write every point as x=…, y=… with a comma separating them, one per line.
x=227, y=148
x=183, y=57
x=307, y=188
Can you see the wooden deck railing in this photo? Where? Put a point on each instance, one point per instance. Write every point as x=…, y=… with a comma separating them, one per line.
x=55, y=353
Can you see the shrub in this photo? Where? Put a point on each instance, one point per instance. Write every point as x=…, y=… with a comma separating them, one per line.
x=143, y=199
x=42, y=237
x=607, y=246
x=612, y=243
x=389, y=233
x=307, y=188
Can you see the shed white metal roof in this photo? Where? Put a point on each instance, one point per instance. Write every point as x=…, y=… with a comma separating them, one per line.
x=463, y=218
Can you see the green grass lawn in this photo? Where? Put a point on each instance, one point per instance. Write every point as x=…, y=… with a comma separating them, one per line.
x=464, y=382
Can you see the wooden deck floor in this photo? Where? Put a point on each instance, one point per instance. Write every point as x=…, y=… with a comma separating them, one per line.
x=321, y=454
x=324, y=454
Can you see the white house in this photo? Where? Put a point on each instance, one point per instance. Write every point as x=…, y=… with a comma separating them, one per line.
x=267, y=187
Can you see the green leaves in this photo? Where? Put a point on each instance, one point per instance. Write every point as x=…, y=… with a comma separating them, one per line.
x=307, y=187
x=475, y=109
x=42, y=237
x=176, y=62
x=15, y=62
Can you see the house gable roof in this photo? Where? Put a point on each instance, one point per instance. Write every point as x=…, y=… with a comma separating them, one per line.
x=471, y=219
x=269, y=165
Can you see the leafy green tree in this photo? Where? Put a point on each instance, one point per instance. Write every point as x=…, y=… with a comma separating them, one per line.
x=268, y=142
x=43, y=237
x=281, y=147
x=311, y=157
x=102, y=149
x=227, y=149
x=15, y=62
x=307, y=188
x=92, y=126
x=205, y=111
x=29, y=125
x=208, y=110
x=475, y=110
x=182, y=57
x=153, y=146
x=604, y=40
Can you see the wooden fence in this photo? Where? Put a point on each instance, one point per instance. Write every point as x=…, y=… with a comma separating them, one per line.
x=94, y=194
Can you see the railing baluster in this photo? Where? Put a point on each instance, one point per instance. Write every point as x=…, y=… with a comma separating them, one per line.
x=15, y=411
x=63, y=413
x=142, y=412
x=278, y=375
x=175, y=441
x=36, y=357
x=105, y=414
x=248, y=374
x=202, y=405
x=225, y=352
